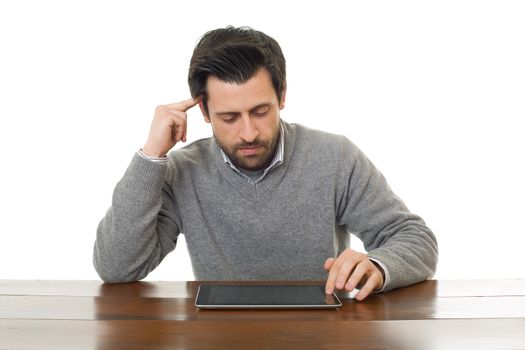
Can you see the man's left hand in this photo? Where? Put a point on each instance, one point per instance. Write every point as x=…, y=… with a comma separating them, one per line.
x=352, y=270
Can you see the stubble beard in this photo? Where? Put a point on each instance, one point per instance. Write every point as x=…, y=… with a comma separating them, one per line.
x=251, y=162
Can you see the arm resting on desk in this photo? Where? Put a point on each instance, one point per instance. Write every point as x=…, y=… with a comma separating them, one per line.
x=140, y=228
x=391, y=234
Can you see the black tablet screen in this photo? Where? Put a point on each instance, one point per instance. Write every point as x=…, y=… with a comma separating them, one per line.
x=265, y=295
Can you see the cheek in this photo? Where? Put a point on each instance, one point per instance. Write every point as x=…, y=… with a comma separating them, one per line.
x=224, y=133
x=270, y=125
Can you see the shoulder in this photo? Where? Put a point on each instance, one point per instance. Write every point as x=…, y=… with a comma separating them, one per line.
x=313, y=140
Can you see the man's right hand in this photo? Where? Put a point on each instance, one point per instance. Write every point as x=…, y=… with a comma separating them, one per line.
x=168, y=127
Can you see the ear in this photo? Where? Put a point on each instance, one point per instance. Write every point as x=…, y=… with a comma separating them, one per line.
x=283, y=98
x=203, y=111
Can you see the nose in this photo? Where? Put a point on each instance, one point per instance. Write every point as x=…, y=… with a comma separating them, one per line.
x=249, y=131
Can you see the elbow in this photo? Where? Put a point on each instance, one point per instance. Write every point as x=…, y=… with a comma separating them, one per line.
x=114, y=268
x=429, y=259
x=108, y=273
x=109, y=276
x=434, y=260
x=113, y=278
x=111, y=272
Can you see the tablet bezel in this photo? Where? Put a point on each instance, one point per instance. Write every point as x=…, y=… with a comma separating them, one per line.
x=201, y=304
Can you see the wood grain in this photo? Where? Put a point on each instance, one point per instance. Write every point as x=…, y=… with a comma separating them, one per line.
x=158, y=315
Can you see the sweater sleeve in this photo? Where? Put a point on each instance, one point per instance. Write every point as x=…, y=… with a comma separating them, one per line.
x=141, y=226
x=390, y=232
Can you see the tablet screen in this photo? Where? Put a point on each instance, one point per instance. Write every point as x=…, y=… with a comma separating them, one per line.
x=265, y=296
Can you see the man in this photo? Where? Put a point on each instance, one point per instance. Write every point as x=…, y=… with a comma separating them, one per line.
x=262, y=199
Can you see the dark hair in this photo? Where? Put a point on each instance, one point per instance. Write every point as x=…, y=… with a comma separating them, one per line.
x=234, y=55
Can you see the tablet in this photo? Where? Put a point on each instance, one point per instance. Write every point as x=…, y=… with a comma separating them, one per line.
x=267, y=296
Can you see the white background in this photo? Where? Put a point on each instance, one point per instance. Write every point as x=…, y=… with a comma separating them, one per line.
x=433, y=92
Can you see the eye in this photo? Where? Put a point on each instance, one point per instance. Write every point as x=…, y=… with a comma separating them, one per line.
x=228, y=118
x=261, y=112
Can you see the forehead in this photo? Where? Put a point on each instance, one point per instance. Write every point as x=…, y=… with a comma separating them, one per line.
x=231, y=96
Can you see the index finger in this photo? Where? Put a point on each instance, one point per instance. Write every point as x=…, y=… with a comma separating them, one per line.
x=186, y=104
x=332, y=275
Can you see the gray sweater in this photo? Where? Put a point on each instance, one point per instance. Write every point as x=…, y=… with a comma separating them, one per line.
x=282, y=228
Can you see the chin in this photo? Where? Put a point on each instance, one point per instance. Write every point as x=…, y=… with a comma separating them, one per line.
x=251, y=165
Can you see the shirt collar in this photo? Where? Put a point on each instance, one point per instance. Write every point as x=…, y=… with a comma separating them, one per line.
x=276, y=161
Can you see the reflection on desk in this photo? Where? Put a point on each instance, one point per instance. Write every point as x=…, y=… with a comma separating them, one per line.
x=145, y=315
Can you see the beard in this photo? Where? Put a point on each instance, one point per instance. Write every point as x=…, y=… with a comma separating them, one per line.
x=252, y=162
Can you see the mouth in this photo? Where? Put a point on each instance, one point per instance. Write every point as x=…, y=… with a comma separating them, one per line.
x=247, y=151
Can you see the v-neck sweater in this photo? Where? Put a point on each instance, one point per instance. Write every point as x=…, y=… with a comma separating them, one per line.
x=283, y=227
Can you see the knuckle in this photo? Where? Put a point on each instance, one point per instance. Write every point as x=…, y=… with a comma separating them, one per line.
x=336, y=264
x=355, y=258
x=342, y=274
x=332, y=275
x=348, y=251
x=352, y=283
x=179, y=115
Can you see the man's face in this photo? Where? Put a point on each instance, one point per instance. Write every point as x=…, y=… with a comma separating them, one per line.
x=245, y=119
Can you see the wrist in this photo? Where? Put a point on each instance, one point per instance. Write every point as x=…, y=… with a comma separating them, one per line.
x=384, y=272
x=153, y=159
x=150, y=153
x=380, y=268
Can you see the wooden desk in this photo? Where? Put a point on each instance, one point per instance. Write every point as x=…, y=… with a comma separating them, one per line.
x=478, y=314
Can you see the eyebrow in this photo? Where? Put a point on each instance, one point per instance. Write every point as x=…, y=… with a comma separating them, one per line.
x=267, y=104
